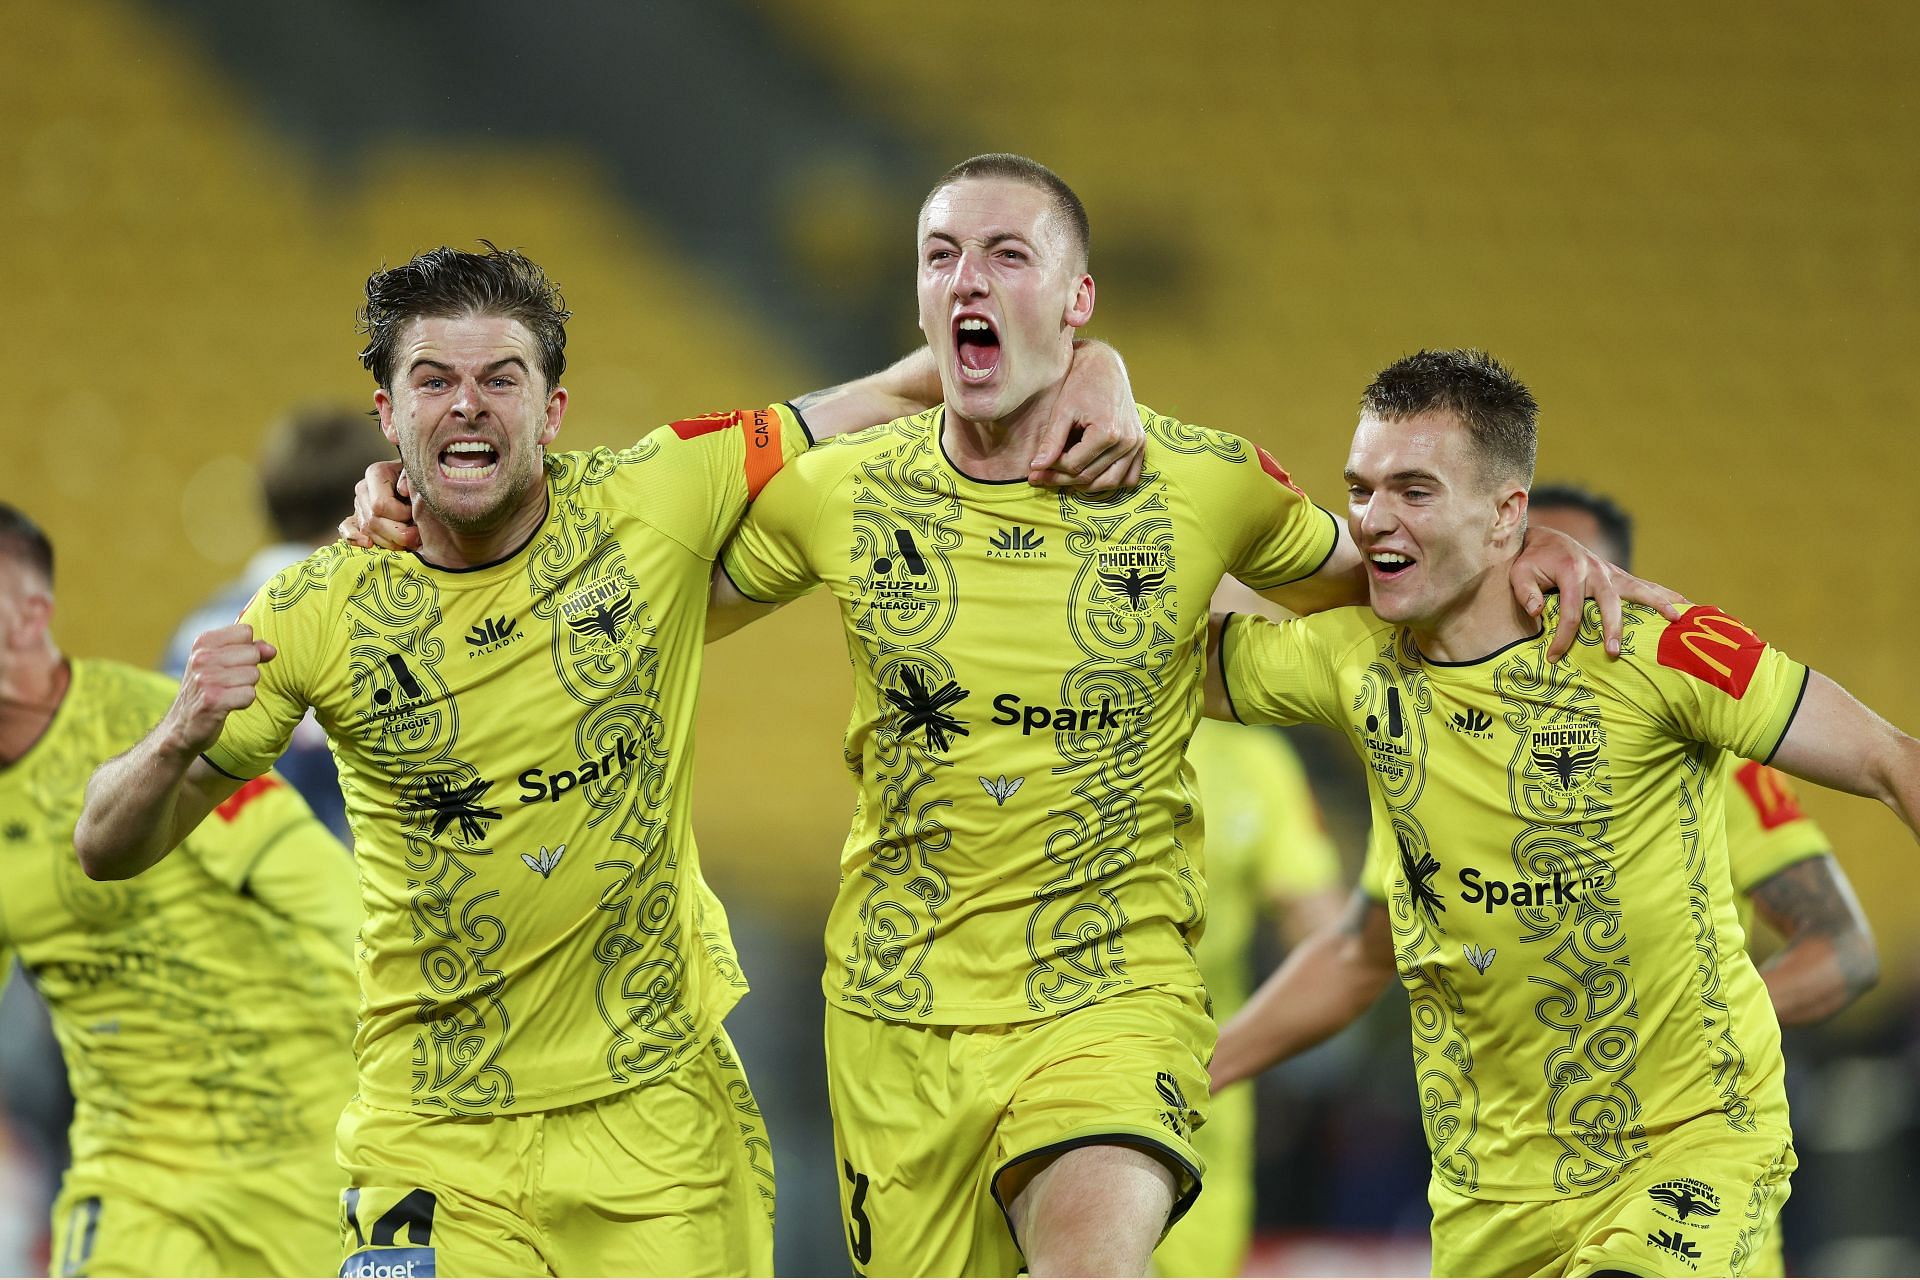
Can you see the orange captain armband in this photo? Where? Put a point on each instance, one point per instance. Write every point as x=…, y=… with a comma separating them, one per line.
x=759, y=431
x=1709, y=645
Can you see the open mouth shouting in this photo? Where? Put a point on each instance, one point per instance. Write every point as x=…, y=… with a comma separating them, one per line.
x=1388, y=565
x=977, y=346
x=469, y=460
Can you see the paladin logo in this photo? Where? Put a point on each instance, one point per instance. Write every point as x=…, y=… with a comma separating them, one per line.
x=1016, y=544
x=1000, y=789
x=1480, y=960
x=923, y=707
x=1683, y=1198
x=1567, y=753
x=1178, y=1116
x=490, y=635
x=1418, y=872
x=599, y=611
x=1134, y=574
x=1472, y=722
x=545, y=862
x=1677, y=1245
x=450, y=800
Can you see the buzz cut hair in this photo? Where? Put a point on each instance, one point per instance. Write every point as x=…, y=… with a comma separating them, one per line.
x=24, y=542
x=1615, y=524
x=448, y=282
x=1496, y=408
x=1004, y=164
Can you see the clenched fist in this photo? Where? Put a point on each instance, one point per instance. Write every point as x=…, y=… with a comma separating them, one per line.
x=220, y=678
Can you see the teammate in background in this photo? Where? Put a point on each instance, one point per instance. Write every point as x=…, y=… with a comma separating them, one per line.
x=307, y=462
x=1266, y=853
x=545, y=970
x=1598, y=1062
x=1016, y=1031
x=1783, y=863
x=205, y=1010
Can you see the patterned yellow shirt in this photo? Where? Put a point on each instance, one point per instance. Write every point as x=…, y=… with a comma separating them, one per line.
x=201, y=1029
x=1027, y=669
x=1766, y=830
x=1550, y=842
x=515, y=751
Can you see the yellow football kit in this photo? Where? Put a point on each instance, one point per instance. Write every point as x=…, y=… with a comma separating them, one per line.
x=1026, y=843
x=204, y=1008
x=515, y=753
x=1550, y=844
x=1265, y=843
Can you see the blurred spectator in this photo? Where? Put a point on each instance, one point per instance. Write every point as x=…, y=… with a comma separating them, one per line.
x=308, y=461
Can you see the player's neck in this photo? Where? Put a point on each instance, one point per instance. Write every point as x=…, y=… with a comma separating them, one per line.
x=1485, y=621
x=451, y=549
x=999, y=449
x=30, y=695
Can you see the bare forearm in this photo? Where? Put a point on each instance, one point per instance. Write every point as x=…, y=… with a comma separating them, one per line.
x=132, y=807
x=1816, y=976
x=904, y=387
x=1325, y=984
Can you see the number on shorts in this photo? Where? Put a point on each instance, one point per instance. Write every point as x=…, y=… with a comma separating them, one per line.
x=859, y=1227
x=82, y=1224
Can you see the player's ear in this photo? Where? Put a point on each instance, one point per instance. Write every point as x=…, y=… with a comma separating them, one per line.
x=1510, y=515
x=1080, y=305
x=383, y=405
x=556, y=410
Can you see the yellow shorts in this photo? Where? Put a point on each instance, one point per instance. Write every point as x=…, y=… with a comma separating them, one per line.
x=671, y=1178
x=927, y=1118
x=130, y=1218
x=1703, y=1206
x=1214, y=1237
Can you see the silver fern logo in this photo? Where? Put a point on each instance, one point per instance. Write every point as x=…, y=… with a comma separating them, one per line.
x=545, y=862
x=1480, y=960
x=1000, y=788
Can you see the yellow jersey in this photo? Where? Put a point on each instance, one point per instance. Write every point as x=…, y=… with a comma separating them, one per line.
x=202, y=1029
x=1027, y=672
x=515, y=752
x=1550, y=841
x=1265, y=841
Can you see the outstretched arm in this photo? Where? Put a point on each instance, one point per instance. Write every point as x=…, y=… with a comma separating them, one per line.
x=1836, y=741
x=1827, y=958
x=143, y=802
x=1325, y=983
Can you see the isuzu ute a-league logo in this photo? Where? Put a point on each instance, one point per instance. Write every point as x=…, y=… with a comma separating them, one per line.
x=901, y=576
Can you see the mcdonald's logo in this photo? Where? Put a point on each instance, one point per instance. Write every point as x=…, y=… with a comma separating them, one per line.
x=1772, y=795
x=1708, y=645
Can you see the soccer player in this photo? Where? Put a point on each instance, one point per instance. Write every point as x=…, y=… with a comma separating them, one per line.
x=1598, y=1062
x=205, y=1011
x=1017, y=1034
x=307, y=461
x=1266, y=853
x=544, y=1084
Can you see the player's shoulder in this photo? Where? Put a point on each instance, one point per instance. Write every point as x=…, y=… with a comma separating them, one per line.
x=100, y=682
x=1343, y=636
x=1171, y=441
x=834, y=458
x=328, y=573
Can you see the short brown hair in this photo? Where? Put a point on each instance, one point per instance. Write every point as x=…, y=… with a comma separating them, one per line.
x=24, y=541
x=1004, y=164
x=1496, y=408
x=309, y=464
x=452, y=282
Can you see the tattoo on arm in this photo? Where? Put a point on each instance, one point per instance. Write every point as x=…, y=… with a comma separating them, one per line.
x=814, y=398
x=1812, y=899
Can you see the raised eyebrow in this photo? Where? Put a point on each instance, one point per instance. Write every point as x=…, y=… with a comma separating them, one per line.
x=430, y=363
x=994, y=240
